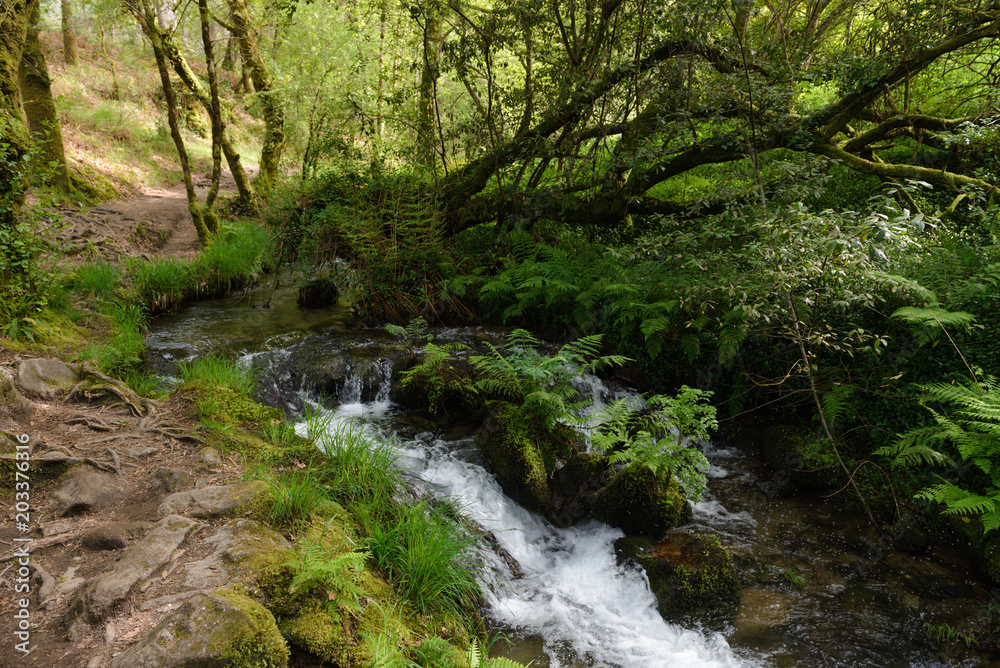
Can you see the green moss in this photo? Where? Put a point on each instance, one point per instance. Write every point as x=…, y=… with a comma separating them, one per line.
x=510, y=446
x=230, y=407
x=251, y=640
x=641, y=502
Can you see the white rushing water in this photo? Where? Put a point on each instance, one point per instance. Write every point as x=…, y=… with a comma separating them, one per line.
x=588, y=609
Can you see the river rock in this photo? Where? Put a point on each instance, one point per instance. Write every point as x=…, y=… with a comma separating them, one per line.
x=512, y=453
x=214, y=500
x=574, y=483
x=113, y=536
x=216, y=630
x=641, y=503
x=211, y=458
x=12, y=404
x=690, y=574
x=244, y=550
x=317, y=293
x=102, y=593
x=169, y=480
x=83, y=490
x=47, y=378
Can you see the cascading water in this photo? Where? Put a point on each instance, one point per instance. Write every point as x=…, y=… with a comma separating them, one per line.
x=588, y=610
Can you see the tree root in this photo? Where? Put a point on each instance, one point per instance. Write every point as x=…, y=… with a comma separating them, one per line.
x=96, y=384
x=113, y=466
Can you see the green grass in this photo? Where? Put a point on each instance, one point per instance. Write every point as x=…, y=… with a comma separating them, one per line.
x=212, y=371
x=292, y=497
x=125, y=350
x=96, y=278
x=358, y=470
x=161, y=284
x=427, y=554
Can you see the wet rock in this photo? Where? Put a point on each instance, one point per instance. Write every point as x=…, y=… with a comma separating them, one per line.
x=12, y=404
x=82, y=491
x=216, y=630
x=244, y=550
x=169, y=480
x=113, y=536
x=47, y=378
x=214, y=500
x=317, y=293
x=102, y=593
x=511, y=452
x=574, y=483
x=641, y=503
x=211, y=458
x=445, y=389
x=691, y=575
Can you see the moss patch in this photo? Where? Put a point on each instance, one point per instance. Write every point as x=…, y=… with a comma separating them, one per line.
x=510, y=446
x=252, y=639
x=640, y=502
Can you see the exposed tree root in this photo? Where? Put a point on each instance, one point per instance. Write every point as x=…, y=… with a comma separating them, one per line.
x=96, y=385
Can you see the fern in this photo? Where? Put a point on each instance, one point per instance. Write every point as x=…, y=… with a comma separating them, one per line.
x=928, y=323
x=476, y=658
x=972, y=431
x=337, y=577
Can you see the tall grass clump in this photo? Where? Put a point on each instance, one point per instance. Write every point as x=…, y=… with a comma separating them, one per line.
x=126, y=348
x=428, y=554
x=97, y=278
x=359, y=470
x=292, y=497
x=212, y=371
x=236, y=257
x=161, y=283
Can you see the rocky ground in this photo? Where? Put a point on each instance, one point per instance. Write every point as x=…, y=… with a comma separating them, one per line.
x=126, y=516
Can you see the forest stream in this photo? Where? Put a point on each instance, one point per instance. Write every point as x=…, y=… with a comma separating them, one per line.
x=820, y=588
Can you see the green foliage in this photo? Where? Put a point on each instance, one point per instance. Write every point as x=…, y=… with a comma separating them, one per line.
x=335, y=578
x=126, y=349
x=544, y=383
x=292, y=497
x=212, y=371
x=942, y=633
x=427, y=554
x=967, y=436
x=432, y=375
x=97, y=279
x=160, y=283
x=476, y=658
x=658, y=437
x=358, y=470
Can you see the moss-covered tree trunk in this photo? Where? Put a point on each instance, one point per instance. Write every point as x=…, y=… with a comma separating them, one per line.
x=190, y=80
x=274, y=116
x=215, y=111
x=151, y=28
x=14, y=147
x=430, y=71
x=40, y=109
x=69, y=34
x=13, y=127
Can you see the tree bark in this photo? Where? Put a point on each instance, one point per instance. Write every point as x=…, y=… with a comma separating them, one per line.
x=69, y=34
x=148, y=22
x=274, y=116
x=429, y=73
x=40, y=109
x=211, y=219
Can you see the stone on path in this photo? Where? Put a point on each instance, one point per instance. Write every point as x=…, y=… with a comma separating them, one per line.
x=209, y=631
x=113, y=536
x=12, y=404
x=214, y=500
x=83, y=491
x=47, y=378
x=102, y=593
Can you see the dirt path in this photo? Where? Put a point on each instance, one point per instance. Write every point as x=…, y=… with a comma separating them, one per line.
x=153, y=224
x=141, y=458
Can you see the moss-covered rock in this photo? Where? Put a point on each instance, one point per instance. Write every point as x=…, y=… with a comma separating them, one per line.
x=224, y=629
x=442, y=387
x=641, y=502
x=984, y=548
x=574, y=483
x=510, y=447
x=691, y=575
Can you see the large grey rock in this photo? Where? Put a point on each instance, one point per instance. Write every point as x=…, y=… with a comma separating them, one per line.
x=47, y=378
x=83, y=490
x=210, y=631
x=113, y=536
x=214, y=500
x=243, y=549
x=12, y=404
x=102, y=593
x=169, y=480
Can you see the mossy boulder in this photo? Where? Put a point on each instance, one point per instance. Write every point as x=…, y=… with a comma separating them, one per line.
x=984, y=548
x=223, y=629
x=641, y=502
x=510, y=446
x=445, y=388
x=799, y=460
x=691, y=575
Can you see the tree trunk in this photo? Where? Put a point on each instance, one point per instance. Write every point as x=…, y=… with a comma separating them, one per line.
x=14, y=145
x=150, y=26
x=429, y=73
x=274, y=116
x=69, y=35
x=36, y=95
x=187, y=75
x=211, y=219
